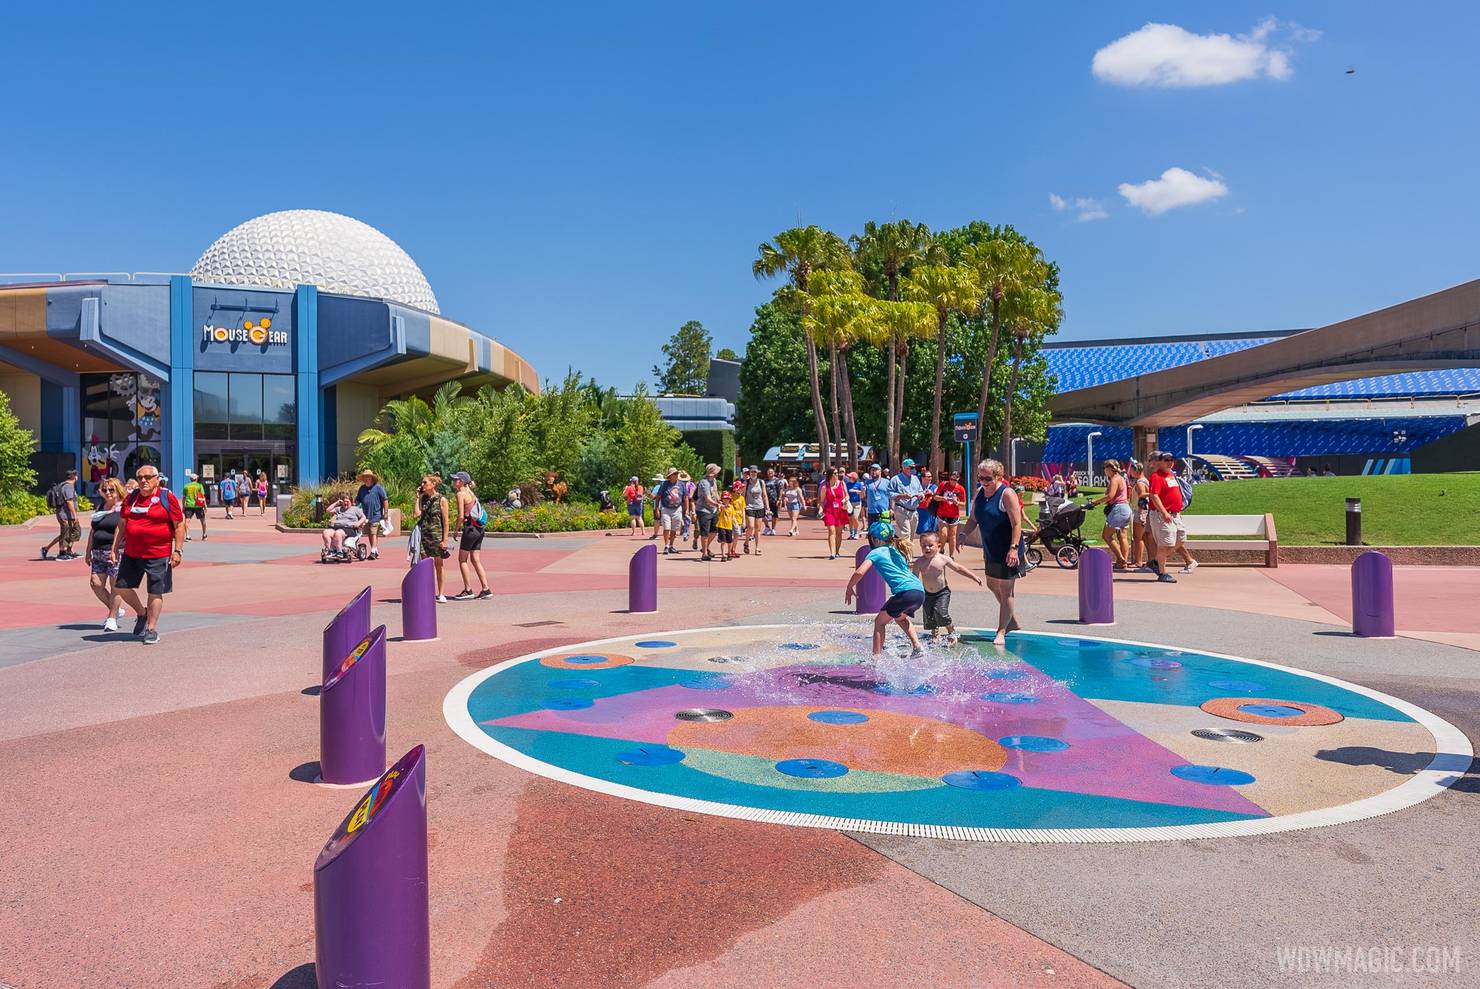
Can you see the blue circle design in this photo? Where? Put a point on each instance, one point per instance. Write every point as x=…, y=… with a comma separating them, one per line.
x=1033, y=743
x=799, y=645
x=585, y=658
x=1214, y=775
x=566, y=703
x=1007, y=674
x=838, y=717
x=655, y=644
x=1008, y=697
x=811, y=769
x=1272, y=710
x=1155, y=663
x=707, y=683
x=574, y=683
x=650, y=755
x=1241, y=686
x=924, y=690
x=981, y=779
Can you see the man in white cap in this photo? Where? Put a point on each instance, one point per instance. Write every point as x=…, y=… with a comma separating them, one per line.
x=706, y=509
x=670, y=497
x=905, y=492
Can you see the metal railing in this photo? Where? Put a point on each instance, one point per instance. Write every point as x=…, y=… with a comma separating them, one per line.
x=67, y=276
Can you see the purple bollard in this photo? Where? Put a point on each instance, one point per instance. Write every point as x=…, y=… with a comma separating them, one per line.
x=348, y=627
x=352, y=715
x=419, y=602
x=870, y=594
x=642, y=581
x=371, y=912
x=1096, y=588
x=1372, y=596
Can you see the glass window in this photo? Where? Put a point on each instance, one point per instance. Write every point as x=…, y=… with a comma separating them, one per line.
x=279, y=406
x=245, y=407
x=210, y=406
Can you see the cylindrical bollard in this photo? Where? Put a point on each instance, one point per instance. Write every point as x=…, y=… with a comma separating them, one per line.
x=870, y=594
x=352, y=715
x=1096, y=588
x=1354, y=521
x=642, y=580
x=419, y=602
x=1372, y=596
x=345, y=630
x=371, y=912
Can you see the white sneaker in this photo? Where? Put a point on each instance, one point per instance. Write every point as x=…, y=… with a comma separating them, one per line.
x=441, y=599
x=1190, y=567
x=111, y=625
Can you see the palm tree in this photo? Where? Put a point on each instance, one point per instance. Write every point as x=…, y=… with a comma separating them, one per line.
x=1004, y=267
x=892, y=249
x=799, y=252
x=946, y=289
x=1034, y=311
x=904, y=321
x=841, y=315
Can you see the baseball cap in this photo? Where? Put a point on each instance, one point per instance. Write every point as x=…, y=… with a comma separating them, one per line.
x=463, y=476
x=908, y=462
x=881, y=530
x=632, y=479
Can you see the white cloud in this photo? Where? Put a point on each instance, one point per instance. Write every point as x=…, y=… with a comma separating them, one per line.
x=1168, y=55
x=1086, y=209
x=1177, y=187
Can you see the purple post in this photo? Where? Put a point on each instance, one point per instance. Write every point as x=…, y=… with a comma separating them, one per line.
x=1372, y=596
x=348, y=627
x=870, y=594
x=642, y=580
x=419, y=602
x=352, y=715
x=371, y=913
x=1096, y=588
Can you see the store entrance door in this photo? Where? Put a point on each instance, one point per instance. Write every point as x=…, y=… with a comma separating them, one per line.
x=216, y=463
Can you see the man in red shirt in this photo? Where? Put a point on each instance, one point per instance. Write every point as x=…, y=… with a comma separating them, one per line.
x=946, y=503
x=152, y=540
x=1165, y=519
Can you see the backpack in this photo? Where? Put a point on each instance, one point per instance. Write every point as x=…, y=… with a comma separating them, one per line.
x=1186, y=493
x=54, y=497
x=480, y=514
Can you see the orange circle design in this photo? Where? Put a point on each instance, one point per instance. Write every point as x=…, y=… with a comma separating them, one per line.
x=221, y=334
x=258, y=335
x=266, y=324
x=1313, y=714
x=562, y=662
x=248, y=325
x=888, y=742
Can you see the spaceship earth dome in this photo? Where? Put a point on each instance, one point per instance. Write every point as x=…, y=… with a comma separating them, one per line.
x=337, y=253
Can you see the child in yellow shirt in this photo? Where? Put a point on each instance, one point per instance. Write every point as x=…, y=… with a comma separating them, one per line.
x=731, y=517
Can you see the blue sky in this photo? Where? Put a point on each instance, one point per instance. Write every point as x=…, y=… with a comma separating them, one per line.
x=580, y=179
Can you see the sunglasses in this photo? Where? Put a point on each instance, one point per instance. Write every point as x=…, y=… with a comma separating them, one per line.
x=146, y=477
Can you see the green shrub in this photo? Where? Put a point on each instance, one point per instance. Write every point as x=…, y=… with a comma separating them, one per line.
x=548, y=517
x=20, y=506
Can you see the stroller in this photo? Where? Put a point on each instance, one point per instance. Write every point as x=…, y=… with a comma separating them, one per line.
x=1058, y=533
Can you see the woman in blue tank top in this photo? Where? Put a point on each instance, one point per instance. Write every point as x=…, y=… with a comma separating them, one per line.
x=997, y=512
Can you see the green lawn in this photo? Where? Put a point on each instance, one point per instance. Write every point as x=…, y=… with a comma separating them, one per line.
x=1402, y=510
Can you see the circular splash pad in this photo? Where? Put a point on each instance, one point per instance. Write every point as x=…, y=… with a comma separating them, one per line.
x=1092, y=742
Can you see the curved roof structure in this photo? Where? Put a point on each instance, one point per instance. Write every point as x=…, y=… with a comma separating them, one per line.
x=337, y=253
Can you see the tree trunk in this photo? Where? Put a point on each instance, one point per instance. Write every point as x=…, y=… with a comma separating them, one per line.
x=1017, y=363
x=890, y=356
x=897, y=454
x=940, y=377
x=832, y=371
x=849, y=420
x=981, y=406
x=817, y=413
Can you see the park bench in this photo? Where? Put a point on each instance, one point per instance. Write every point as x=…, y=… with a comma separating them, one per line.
x=1260, y=526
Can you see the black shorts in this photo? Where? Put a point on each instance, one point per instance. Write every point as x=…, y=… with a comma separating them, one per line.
x=132, y=571
x=726, y=535
x=195, y=513
x=1001, y=571
x=706, y=523
x=938, y=609
x=755, y=513
x=472, y=538
x=904, y=603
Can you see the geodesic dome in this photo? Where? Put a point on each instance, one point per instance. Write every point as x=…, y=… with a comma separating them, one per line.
x=337, y=253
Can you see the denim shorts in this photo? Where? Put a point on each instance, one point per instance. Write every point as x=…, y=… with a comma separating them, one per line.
x=1119, y=516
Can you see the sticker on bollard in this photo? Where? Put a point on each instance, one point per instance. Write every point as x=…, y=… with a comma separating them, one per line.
x=372, y=922
x=1096, y=588
x=352, y=715
x=871, y=592
x=419, y=602
x=348, y=627
x=642, y=581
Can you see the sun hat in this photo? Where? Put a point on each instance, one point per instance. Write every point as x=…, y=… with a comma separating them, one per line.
x=711, y=468
x=672, y=471
x=882, y=531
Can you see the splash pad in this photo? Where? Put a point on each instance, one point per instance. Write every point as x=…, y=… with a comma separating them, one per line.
x=1053, y=738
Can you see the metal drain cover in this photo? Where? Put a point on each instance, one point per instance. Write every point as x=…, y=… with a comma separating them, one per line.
x=1227, y=735
x=725, y=659
x=703, y=714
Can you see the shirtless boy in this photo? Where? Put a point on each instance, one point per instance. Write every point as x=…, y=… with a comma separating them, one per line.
x=932, y=567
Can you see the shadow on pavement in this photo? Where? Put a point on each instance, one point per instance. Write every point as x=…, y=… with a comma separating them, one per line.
x=302, y=977
x=308, y=772
x=1403, y=763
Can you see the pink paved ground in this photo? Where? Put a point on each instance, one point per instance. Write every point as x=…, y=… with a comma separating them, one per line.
x=154, y=835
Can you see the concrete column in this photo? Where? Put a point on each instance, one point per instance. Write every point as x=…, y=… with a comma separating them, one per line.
x=1143, y=441
x=178, y=428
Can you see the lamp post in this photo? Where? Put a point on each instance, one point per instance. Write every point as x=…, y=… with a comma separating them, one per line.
x=1012, y=456
x=1190, y=429
x=1090, y=456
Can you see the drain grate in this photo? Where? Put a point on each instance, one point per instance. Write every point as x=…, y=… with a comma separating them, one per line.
x=703, y=714
x=725, y=659
x=536, y=624
x=1227, y=735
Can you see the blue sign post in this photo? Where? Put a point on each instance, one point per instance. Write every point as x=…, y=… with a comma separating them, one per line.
x=966, y=429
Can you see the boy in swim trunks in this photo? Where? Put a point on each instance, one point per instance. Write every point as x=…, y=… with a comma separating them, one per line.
x=932, y=567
